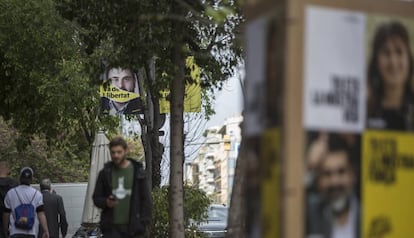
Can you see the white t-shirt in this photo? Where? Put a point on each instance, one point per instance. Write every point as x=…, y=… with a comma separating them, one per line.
x=348, y=229
x=11, y=201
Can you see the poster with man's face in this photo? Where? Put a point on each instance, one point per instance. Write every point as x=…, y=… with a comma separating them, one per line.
x=333, y=199
x=120, y=93
x=359, y=113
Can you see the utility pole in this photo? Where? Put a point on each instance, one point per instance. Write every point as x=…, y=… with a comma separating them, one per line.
x=158, y=121
x=146, y=125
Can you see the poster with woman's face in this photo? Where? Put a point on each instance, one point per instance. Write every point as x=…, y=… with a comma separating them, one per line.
x=388, y=152
x=359, y=116
x=390, y=101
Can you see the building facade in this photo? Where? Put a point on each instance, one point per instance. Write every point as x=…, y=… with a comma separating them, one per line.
x=213, y=169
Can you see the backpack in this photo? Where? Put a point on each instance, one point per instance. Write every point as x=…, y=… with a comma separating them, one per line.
x=25, y=214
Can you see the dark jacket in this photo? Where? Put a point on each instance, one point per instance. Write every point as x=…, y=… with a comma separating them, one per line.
x=140, y=207
x=55, y=215
x=134, y=106
x=319, y=221
x=6, y=183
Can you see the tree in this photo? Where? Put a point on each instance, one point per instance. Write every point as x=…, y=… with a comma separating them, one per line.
x=59, y=164
x=46, y=88
x=129, y=33
x=196, y=204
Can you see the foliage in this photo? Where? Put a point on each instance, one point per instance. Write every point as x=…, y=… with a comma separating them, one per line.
x=69, y=164
x=196, y=204
x=49, y=105
x=129, y=33
x=46, y=87
x=135, y=149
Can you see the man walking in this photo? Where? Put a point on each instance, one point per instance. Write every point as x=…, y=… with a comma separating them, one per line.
x=121, y=191
x=6, y=183
x=24, y=209
x=54, y=210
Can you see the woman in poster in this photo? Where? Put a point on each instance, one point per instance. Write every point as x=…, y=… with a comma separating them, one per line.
x=390, y=78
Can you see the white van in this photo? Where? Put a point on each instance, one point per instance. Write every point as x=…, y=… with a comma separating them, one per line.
x=73, y=195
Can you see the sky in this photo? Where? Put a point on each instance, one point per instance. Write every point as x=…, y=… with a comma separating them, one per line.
x=228, y=102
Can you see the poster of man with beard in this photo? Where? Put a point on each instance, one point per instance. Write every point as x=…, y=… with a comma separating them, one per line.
x=120, y=93
x=333, y=200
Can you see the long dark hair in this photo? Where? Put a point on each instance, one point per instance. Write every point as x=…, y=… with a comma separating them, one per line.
x=375, y=80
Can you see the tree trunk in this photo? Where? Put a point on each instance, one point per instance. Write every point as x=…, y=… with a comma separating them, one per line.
x=156, y=146
x=236, y=219
x=175, y=192
x=146, y=128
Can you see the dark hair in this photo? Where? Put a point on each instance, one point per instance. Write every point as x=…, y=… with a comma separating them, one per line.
x=118, y=141
x=26, y=176
x=337, y=143
x=25, y=181
x=375, y=80
x=45, y=184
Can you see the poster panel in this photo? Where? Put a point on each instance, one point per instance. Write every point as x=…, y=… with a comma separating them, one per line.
x=388, y=176
x=380, y=97
x=332, y=181
x=256, y=33
x=192, y=96
x=120, y=93
x=390, y=101
x=271, y=186
x=334, y=83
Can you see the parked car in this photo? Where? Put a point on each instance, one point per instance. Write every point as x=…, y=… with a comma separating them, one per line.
x=216, y=224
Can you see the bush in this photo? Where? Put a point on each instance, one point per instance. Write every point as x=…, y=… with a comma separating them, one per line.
x=196, y=205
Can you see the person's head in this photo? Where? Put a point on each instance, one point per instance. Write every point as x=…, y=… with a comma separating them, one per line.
x=391, y=63
x=4, y=169
x=122, y=78
x=46, y=184
x=336, y=178
x=119, y=149
x=26, y=176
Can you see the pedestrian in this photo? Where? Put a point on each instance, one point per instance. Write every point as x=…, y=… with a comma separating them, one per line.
x=24, y=209
x=54, y=211
x=6, y=183
x=121, y=191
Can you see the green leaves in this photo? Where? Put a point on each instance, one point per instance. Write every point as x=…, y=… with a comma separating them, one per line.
x=66, y=163
x=219, y=14
x=196, y=204
x=47, y=87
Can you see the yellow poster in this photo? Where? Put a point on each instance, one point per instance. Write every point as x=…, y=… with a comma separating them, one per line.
x=388, y=185
x=192, y=97
x=270, y=164
x=115, y=94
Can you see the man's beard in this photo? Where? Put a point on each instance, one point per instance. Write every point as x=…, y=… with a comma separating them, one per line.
x=121, y=161
x=339, y=204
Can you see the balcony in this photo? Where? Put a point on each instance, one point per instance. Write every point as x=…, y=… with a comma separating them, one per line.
x=211, y=167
